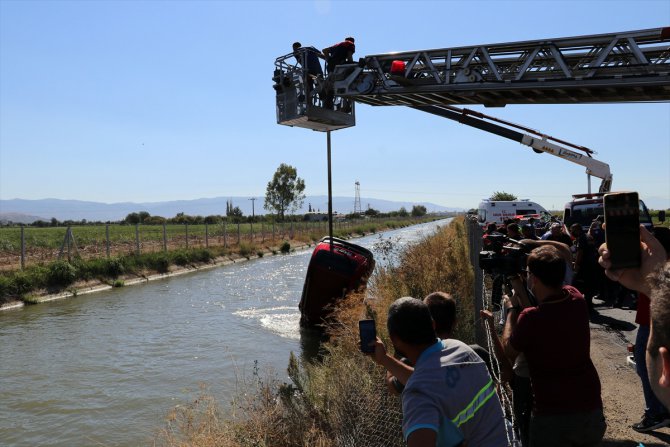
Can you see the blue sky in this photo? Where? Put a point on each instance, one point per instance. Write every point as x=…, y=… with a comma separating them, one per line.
x=116, y=101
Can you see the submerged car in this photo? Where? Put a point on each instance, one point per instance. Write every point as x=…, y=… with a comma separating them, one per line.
x=336, y=268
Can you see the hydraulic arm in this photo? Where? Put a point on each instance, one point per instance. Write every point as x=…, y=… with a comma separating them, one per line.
x=537, y=141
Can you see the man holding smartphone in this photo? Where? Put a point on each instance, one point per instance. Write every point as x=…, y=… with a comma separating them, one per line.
x=449, y=398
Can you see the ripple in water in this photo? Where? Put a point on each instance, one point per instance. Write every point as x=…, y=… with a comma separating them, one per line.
x=283, y=320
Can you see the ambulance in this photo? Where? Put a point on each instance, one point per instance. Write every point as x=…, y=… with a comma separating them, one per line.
x=497, y=211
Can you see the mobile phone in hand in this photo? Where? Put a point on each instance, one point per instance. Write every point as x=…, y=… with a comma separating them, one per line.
x=368, y=334
x=622, y=229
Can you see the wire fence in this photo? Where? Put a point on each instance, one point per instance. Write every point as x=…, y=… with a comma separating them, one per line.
x=24, y=246
x=372, y=422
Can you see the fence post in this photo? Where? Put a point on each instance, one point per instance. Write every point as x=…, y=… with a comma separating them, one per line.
x=206, y=236
x=107, y=246
x=164, y=237
x=291, y=232
x=23, y=248
x=252, y=231
x=475, y=239
x=273, y=230
x=186, y=227
x=225, y=235
x=262, y=232
x=137, y=239
x=238, y=233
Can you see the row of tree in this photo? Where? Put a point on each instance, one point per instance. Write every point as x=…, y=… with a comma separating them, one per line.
x=284, y=194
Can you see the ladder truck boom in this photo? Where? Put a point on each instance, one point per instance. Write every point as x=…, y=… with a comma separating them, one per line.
x=537, y=141
x=615, y=67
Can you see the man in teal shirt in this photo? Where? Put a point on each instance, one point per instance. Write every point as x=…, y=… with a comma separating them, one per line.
x=449, y=398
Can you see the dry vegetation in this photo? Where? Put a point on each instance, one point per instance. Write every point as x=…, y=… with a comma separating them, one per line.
x=340, y=399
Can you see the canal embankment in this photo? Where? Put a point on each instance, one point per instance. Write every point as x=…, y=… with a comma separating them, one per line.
x=63, y=279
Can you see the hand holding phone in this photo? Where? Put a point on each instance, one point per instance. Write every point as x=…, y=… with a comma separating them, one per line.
x=368, y=334
x=622, y=229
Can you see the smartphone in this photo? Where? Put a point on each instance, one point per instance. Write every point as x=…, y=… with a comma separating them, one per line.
x=368, y=334
x=622, y=229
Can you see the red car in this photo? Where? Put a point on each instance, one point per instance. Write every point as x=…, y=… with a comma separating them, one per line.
x=334, y=270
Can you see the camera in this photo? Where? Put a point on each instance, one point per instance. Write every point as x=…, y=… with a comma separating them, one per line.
x=500, y=258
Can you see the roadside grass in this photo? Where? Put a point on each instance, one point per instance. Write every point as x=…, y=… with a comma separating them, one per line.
x=338, y=398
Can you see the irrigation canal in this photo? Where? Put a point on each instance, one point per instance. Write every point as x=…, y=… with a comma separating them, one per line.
x=104, y=369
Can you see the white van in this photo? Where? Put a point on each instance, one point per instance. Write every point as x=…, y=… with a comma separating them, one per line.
x=497, y=211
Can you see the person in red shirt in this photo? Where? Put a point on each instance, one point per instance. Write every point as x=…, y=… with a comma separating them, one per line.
x=651, y=279
x=339, y=53
x=554, y=336
x=655, y=414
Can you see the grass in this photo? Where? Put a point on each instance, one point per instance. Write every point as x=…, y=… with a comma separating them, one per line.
x=340, y=398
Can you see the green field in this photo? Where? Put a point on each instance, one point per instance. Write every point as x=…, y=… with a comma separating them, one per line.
x=43, y=244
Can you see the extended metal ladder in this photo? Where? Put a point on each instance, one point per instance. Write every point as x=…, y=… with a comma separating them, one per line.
x=617, y=67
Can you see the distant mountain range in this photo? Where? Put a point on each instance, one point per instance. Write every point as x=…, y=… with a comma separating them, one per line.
x=28, y=211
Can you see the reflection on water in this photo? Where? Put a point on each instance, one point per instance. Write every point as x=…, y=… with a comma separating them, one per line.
x=104, y=369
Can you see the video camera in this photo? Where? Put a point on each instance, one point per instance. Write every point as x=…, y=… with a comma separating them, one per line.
x=500, y=258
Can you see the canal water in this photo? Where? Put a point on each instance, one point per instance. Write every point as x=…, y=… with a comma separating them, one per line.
x=104, y=369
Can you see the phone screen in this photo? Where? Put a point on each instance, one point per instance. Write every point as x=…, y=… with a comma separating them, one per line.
x=622, y=229
x=368, y=334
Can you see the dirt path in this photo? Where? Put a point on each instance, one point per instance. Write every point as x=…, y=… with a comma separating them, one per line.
x=621, y=389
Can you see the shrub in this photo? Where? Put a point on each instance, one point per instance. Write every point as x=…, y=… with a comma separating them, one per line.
x=260, y=253
x=61, y=274
x=118, y=283
x=115, y=268
x=159, y=262
x=6, y=287
x=181, y=258
x=285, y=247
x=246, y=249
x=201, y=255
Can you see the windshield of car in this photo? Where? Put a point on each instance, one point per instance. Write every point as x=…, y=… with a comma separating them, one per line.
x=585, y=213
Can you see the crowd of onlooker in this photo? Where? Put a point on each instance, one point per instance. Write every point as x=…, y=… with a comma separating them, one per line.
x=542, y=355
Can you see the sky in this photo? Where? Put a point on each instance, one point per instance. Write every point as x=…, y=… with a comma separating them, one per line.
x=147, y=101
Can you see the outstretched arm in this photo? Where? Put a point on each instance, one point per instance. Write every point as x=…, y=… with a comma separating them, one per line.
x=394, y=366
x=653, y=256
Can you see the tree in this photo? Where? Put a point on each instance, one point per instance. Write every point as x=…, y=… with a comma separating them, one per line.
x=419, y=210
x=285, y=192
x=402, y=212
x=235, y=212
x=502, y=195
x=212, y=219
x=371, y=212
x=132, y=219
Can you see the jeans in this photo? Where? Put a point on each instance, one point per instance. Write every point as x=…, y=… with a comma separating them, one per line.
x=568, y=430
x=653, y=407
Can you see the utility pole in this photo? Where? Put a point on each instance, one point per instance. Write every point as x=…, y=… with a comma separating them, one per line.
x=253, y=203
x=253, y=215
